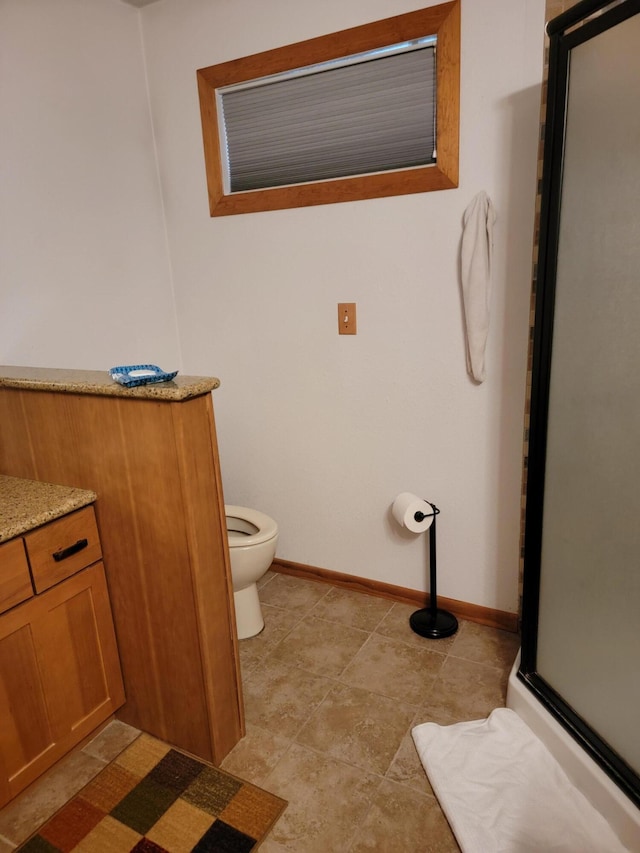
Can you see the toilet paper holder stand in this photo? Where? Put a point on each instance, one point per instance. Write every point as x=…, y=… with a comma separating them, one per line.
x=431, y=621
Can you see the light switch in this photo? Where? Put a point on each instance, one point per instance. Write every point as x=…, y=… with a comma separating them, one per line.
x=347, y=318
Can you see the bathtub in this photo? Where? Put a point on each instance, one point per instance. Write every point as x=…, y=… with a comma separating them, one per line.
x=604, y=795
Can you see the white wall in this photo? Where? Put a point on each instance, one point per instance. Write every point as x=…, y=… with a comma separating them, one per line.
x=84, y=271
x=322, y=431
x=317, y=430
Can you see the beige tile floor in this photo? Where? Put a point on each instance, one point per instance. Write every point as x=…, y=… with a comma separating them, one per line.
x=332, y=688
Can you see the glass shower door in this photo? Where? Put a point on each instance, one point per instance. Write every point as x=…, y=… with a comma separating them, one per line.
x=583, y=505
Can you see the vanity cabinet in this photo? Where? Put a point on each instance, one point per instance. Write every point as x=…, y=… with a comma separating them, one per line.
x=59, y=668
x=150, y=455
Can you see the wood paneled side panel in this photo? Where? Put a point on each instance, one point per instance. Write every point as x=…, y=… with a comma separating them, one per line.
x=15, y=445
x=211, y=571
x=125, y=450
x=155, y=591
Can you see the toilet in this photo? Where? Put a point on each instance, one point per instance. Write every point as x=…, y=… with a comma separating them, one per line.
x=252, y=538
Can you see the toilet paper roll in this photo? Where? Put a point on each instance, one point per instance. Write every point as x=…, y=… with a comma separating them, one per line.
x=406, y=506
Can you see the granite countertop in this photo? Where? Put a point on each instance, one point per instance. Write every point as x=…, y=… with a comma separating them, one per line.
x=100, y=382
x=26, y=504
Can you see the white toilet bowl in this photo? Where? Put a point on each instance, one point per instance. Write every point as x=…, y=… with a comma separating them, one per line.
x=252, y=538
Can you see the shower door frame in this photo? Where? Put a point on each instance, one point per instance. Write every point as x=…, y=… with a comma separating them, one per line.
x=565, y=32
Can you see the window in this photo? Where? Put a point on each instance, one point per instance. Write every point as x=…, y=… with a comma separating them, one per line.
x=363, y=113
x=372, y=112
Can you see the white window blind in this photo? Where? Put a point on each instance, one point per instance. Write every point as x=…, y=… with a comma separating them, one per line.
x=365, y=114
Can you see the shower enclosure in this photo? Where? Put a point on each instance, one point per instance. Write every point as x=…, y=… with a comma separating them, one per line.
x=581, y=596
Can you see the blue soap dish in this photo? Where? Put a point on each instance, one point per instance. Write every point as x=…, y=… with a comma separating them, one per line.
x=131, y=375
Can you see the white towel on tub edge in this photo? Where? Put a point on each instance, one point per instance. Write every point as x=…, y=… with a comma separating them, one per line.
x=503, y=792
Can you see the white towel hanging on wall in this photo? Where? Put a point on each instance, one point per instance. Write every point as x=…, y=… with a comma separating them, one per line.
x=476, y=256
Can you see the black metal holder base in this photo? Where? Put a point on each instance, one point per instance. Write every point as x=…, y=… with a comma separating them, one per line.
x=431, y=622
x=424, y=623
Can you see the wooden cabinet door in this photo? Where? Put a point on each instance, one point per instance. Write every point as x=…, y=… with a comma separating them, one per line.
x=59, y=676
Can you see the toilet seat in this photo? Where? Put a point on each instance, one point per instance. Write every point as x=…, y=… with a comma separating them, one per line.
x=257, y=527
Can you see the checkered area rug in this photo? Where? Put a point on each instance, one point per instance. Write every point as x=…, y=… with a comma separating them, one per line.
x=154, y=799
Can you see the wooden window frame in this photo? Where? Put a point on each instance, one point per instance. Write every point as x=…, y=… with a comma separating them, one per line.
x=442, y=20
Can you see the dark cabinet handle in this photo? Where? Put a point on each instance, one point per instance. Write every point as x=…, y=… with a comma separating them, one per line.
x=63, y=553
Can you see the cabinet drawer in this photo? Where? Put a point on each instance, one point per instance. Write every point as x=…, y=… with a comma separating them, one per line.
x=60, y=549
x=15, y=581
